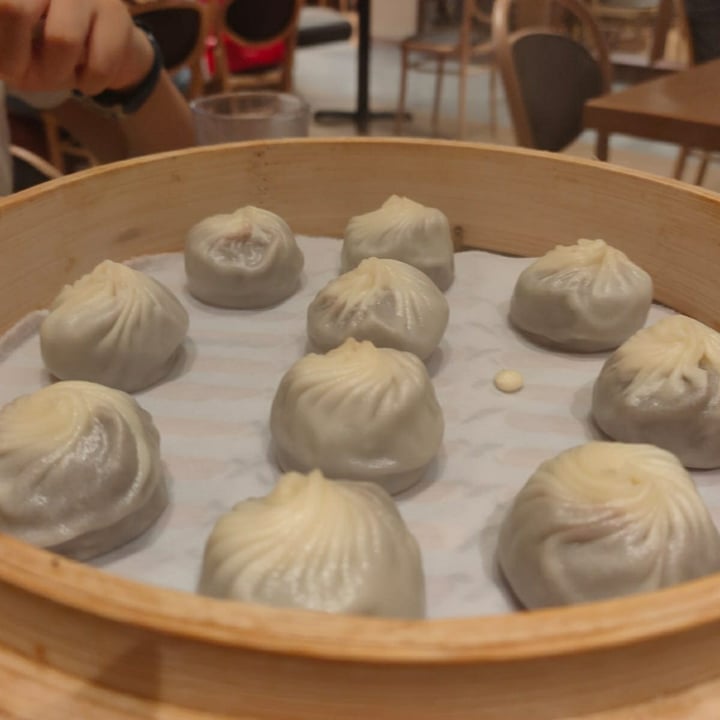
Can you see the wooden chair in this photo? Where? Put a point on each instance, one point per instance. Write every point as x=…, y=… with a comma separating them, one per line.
x=675, y=10
x=616, y=17
x=669, y=47
x=704, y=158
x=30, y=169
x=257, y=25
x=671, y=16
x=180, y=28
x=549, y=71
x=63, y=148
x=469, y=43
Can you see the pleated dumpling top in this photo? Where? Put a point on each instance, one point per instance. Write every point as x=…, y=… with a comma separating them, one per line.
x=331, y=545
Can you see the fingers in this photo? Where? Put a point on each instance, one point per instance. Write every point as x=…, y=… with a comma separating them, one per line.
x=118, y=54
x=88, y=45
x=62, y=50
x=18, y=19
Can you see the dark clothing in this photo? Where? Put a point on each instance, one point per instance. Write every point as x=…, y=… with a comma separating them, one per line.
x=704, y=20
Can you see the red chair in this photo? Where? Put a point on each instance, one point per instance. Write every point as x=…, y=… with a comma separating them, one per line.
x=180, y=28
x=256, y=43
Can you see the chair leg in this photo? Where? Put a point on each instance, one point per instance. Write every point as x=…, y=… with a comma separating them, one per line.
x=462, y=98
x=680, y=162
x=702, y=169
x=601, y=145
x=440, y=73
x=222, y=66
x=400, y=114
x=52, y=140
x=196, y=80
x=493, y=99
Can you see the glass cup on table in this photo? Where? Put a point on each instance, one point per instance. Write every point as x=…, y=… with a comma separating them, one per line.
x=251, y=115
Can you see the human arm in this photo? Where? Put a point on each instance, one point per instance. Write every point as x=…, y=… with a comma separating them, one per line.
x=91, y=46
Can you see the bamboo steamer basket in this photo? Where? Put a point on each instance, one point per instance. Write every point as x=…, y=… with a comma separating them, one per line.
x=77, y=643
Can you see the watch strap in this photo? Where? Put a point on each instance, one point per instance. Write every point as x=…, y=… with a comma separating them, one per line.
x=127, y=102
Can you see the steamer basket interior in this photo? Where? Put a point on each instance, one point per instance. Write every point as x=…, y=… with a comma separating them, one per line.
x=76, y=642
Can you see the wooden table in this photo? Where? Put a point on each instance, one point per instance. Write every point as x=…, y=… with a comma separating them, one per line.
x=681, y=108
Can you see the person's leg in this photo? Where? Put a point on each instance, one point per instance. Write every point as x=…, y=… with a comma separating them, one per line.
x=704, y=21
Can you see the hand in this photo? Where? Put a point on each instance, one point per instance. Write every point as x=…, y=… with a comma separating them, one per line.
x=85, y=45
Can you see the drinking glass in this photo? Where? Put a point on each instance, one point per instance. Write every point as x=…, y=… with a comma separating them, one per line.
x=249, y=115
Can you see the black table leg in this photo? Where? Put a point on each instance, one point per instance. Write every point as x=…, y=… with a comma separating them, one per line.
x=362, y=115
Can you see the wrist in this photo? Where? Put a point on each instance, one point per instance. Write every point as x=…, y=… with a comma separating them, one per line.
x=129, y=98
x=142, y=57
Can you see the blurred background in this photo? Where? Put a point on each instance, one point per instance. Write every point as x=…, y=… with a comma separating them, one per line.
x=425, y=68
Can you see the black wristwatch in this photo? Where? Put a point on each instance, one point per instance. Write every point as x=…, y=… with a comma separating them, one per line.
x=127, y=102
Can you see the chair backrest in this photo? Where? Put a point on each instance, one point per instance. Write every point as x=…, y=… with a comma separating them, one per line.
x=476, y=16
x=550, y=70
x=480, y=10
x=180, y=28
x=624, y=9
x=261, y=24
x=527, y=13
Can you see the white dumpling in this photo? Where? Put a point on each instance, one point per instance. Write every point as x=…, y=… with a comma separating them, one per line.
x=403, y=230
x=245, y=259
x=605, y=520
x=328, y=545
x=585, y=297
x=662, y=386
x=115, y=326
x=358, y=413
x=80, y=469
x=387, y=302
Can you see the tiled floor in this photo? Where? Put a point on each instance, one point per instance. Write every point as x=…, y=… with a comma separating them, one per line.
x=326, y=77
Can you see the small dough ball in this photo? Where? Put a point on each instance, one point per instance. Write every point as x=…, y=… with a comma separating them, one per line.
x=585, y=297
x=115, y=326
x=80, y=469
x=358, y=413
x=403, y=230
x=329, y=545
x=508, y=381
x=387, y=302
x=245, y=259
x=605, y=520
x=662, y=386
